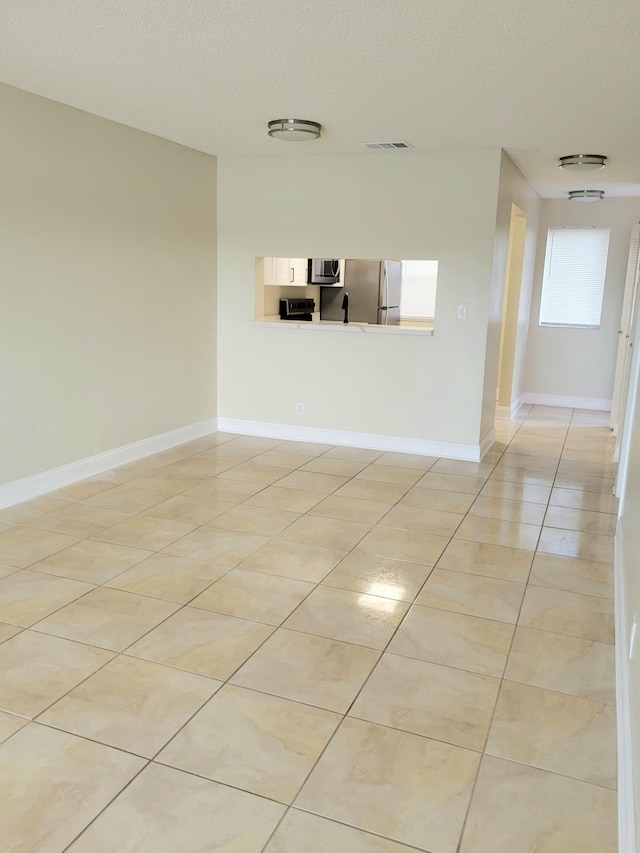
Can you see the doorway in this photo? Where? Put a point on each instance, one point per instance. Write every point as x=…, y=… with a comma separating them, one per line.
x=511, y=306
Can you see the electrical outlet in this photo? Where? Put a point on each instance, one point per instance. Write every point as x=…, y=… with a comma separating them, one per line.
x=462, y=312
x=300, y=409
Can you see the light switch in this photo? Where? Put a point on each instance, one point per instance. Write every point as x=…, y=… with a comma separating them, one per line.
x=462, y=312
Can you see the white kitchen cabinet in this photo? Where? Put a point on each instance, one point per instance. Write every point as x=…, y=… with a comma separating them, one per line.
x=285, y=271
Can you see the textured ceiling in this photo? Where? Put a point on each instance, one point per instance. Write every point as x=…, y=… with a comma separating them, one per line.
x=540, y=78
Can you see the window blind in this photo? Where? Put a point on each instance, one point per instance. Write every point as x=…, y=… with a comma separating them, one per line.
x=418, y=293
x=574, y=272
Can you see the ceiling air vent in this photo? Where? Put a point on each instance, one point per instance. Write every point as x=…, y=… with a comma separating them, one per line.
x=386, y=146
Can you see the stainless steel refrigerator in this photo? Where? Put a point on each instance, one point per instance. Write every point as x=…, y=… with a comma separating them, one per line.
x=374, y=293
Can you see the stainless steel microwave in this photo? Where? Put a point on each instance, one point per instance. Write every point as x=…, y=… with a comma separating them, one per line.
x=323, y=271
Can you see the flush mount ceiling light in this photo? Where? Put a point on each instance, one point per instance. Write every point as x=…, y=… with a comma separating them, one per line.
x=586, y=195
x=583, y=162
x=294, y=129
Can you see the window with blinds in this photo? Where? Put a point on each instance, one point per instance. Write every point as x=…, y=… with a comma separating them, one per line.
x=574, y=271
x=418, y=293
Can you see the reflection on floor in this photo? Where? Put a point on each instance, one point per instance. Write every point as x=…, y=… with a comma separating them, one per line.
x=245, y=644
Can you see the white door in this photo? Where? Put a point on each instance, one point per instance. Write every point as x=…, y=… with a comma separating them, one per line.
x=620, y=381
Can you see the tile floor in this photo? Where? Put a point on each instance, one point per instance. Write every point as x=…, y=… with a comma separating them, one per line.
x=244, y=645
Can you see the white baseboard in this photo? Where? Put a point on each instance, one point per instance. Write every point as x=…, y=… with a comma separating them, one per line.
x=370, y=441
x=510, y=412
x=594, y=404
x=56, y=478
x=487, y=442
x=626, y=795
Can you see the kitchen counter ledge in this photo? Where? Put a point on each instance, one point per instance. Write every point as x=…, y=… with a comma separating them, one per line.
x=337, y=326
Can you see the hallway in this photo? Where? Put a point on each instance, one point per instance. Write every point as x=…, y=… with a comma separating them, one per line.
x=245, y=644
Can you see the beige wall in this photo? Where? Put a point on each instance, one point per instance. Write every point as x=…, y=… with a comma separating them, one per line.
x=368, y=205
x=108, y=247
x=513, y=189
x=581, y=362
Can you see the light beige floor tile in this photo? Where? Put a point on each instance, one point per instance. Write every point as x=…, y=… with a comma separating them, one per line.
x=308, y=669
x=518, y=808
x=572, y=574
x=192, y=510
x=23, y=546
x=293, y=560
x=584, y=482
x=29, y=510
x=305, y=448
x=325, y=532
x=281, y=459
x=27, y=596
x=506, y=490
x=495, y=531
x=451, y=483
x=263, y=521
x=381, y=576
x=472, y=594
x=249, y=472
x=131, y=704
x=406, y=460
x=437, y=499
x=165, y=810
x=341, y=467
x=532, y=476
x=7, y=631
x=556, y=732
x=91, y=561
x=171, y=578
x=302, y=831
x=37, y=670
x=400, y=544
x=377, y=473
x=255, y=442
x=202, y=642
x=293, y=500
x=582, y=468
x=254, y=595
x=464, y=642
x=495, y=561
x=563, y=663
x=583, y=520
x=353, y=454
x=339, y=614
x=5, y=571
x=10, y=724
x=405, y=787
x=79, y=520
x=423, y=520
x=462, y=468
x=126, y=498
x=231, y=453
x=350, y=509
x=427, y=699
x=308, y=481
x=145, y=532
x=369, y=490
x=587, y=616
x=577, y=499
x=199, y=467
x=230, y=491
x=170, y=481
x=521, y=511
x=108, y=618
x=52, y=785
x=263, y=744
x=223, y=547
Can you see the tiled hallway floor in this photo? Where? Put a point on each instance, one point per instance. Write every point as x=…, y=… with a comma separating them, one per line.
x=244, y=644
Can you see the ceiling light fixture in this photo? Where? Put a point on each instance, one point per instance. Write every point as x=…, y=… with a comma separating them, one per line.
x=586, y=195
x=294, y=129
x=583, y=162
